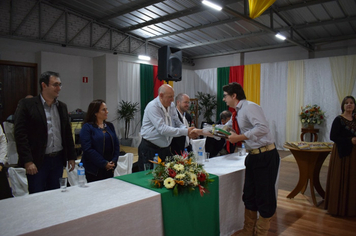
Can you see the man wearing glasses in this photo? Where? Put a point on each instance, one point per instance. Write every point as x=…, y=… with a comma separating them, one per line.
x=43, y=135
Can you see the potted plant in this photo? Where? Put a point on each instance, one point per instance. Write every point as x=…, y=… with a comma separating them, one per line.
x=127, y=112
x=207, y=103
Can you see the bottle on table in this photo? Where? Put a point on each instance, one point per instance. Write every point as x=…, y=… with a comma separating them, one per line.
x=200, y=155
x=155, y=159
x=243, y=149
x=81, y=175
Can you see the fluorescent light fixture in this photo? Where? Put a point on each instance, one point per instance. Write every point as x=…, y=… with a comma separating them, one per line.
x=143, y=57
x=212, y=5
x=280, y=36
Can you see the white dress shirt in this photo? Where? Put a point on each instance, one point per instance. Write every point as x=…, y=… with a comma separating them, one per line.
x=253, y=124
x=160, y=125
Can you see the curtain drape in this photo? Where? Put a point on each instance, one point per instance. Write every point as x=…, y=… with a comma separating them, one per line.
x=274, y=98
x=319, y=89
x=295, y=98
x=223, y=79
x=128, y=84
x=251, y=85
x=344, y=74
x=257, y=7
x=156, y=82
x=146, y=88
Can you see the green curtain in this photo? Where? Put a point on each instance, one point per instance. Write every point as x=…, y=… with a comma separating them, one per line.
x=223, y=79
x=146, y=86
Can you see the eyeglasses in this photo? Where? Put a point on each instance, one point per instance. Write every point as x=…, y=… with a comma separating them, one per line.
x=56, y=85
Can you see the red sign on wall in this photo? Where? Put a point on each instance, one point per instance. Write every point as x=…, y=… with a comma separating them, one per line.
x=85, y=79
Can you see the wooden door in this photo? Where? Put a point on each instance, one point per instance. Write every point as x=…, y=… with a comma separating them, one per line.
x=17, y=80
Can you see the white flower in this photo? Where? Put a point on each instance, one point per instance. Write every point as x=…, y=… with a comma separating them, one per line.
x=168, y=165
x=178, y=167
x=193, y=179
x=169, y=182
x=180, y=176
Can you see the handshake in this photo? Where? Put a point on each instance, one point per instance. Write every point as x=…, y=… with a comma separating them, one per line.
x=194, y=133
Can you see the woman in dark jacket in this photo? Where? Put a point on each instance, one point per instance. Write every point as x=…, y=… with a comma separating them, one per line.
x=340, y=195
x=99, y=143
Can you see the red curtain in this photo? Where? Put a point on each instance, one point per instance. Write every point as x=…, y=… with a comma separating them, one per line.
x=157, y=83
x=236, y=75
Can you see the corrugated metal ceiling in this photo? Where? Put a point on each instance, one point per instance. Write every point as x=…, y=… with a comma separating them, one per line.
x=202, y=32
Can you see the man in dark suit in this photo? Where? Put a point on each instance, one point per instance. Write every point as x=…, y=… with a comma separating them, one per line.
x=178, y=144
x=43, y=136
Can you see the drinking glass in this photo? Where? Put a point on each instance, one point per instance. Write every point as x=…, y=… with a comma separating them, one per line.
x=63, y=184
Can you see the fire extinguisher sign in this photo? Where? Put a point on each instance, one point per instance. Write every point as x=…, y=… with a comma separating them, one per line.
x=85, y=79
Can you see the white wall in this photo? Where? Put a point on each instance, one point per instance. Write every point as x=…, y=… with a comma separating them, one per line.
x=72, y=69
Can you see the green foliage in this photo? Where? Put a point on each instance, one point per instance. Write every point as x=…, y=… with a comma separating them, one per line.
x=127, y=112
x=207, y=105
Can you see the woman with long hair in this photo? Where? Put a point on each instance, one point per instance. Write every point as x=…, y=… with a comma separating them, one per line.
x=340, y=195
x=99, y=142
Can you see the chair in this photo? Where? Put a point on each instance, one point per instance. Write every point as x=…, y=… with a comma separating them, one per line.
x=124, y=165
x=18, y=181
x=73, y=175
x=11, y=144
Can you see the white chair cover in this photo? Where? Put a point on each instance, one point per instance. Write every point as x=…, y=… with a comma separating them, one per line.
x=124, y=165
x=73, y=175
x=11, y=144
x=18, y=181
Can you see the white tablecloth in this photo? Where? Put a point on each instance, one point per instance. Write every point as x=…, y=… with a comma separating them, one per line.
x=231, y=171
x=108, y=207
x=115, y=207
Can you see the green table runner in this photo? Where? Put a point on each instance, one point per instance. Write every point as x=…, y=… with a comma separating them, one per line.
x=188, y=213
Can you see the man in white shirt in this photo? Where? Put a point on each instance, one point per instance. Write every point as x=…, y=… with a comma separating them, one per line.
x=159, y=125
x=261, y=163
x=180, y=143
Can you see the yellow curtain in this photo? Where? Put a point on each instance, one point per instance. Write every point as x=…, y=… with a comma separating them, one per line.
x=252, y=77
x=257, y=7
x=295, y=99
x=343, y=70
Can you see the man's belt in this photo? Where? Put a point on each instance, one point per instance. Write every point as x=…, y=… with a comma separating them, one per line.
x=53, y=154
x=154, y=146
x=262, y=149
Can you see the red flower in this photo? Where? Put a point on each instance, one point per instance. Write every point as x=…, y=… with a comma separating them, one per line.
x=321, y=117
x=201, y=177
x=172, y=173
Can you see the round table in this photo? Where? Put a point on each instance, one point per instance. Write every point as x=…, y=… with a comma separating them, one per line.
x=309, y=163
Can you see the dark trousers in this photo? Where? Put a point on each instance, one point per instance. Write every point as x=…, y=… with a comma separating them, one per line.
x=48, y=175
x=5, y=190
x=102, y=174
x=260, y=179
x=147, y=150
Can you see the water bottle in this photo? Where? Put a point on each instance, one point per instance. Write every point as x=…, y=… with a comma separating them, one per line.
x=243, y=149
x=81, y=175
x=185, y=153
x=155, y=159
x=200, y=155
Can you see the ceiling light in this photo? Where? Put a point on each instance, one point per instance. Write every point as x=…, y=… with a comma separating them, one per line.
x=212, y=5
x=280, y=36
x=143, y=57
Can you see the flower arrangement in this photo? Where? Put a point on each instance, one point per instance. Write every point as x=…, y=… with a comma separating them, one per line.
x=312, y=115
x=181, y=172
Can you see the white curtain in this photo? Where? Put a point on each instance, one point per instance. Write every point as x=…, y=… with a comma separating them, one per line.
x=319, y=89
x=128, y=88
x=274, y=98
